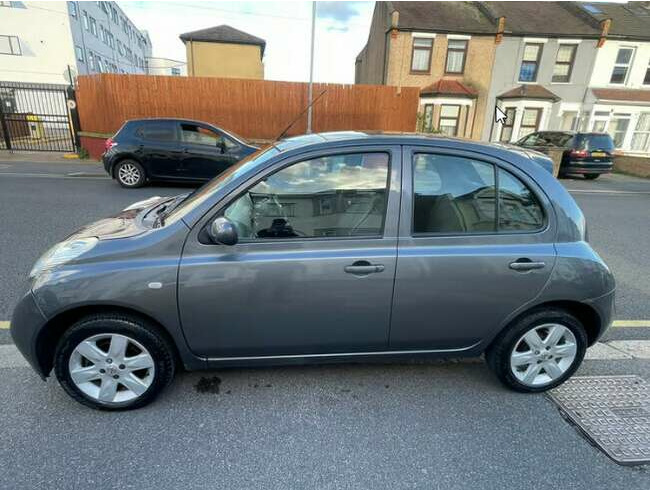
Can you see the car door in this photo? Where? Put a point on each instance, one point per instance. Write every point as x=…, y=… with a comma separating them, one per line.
x=314, y=267
x=465, y=263
x=205, y=151
x=159, y=148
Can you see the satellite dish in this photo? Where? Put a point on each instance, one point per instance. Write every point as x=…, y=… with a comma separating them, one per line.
x=69, y=73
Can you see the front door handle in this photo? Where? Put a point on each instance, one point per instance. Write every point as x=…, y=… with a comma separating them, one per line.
x=363, y=267
x=523, y=265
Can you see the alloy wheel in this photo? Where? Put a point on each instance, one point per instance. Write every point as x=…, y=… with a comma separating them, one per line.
x=111, y=368
x=543, y=354
x=129, y=174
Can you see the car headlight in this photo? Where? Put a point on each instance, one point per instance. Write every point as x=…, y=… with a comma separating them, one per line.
x=61, y=253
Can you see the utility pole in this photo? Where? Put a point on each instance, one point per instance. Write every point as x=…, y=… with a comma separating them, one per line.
x=311, y=65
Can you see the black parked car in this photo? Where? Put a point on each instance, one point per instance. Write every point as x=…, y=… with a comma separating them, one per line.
x=589, y=154
x=172, y=150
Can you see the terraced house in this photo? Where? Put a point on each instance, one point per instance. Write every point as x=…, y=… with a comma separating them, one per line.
x=556, y=65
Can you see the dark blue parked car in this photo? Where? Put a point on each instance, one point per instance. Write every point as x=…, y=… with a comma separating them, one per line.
x=171, y=150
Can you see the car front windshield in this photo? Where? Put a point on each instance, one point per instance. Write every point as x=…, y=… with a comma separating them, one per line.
x=203, y=193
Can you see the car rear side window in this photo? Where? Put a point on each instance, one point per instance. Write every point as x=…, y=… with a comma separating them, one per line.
x=453, y=195
x=158, y=131
x=330, y=196
x=458, y=195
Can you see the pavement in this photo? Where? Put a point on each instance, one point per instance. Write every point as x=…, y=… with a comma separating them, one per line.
x=442, y=424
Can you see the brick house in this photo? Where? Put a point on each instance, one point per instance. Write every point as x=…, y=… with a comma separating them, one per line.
x=446, y=48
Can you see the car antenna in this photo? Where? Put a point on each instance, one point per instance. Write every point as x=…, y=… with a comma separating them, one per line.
x=300, y=115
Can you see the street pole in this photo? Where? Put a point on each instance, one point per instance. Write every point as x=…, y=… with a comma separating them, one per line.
x=311, y=65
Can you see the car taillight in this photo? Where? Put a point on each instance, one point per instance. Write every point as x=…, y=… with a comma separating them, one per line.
x=109, y=144
x=579, y=153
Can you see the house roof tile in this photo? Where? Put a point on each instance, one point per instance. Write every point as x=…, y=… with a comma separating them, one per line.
x=449, y=87
x=223, y=34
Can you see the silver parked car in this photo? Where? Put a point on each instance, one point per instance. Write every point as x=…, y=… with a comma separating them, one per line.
x=337, y=246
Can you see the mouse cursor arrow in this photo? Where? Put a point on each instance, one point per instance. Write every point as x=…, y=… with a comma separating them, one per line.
x=499, y=115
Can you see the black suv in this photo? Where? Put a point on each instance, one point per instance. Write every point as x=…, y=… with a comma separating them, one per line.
x=171, y=149
x=589, y=154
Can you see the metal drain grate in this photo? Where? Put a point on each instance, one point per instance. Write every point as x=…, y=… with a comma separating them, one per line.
x=613, y=411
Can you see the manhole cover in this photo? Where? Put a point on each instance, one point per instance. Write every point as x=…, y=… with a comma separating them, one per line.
x=613, y=411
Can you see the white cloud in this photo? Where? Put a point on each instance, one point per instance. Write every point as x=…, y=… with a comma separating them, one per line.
x=342, y=31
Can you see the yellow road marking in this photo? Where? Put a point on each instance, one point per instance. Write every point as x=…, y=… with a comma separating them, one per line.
x=618, y=323
x=632, y=323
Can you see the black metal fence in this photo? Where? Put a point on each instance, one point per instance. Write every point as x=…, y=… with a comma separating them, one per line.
x=36, y=117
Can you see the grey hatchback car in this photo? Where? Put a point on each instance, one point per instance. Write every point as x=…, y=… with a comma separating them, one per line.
x=328, y=247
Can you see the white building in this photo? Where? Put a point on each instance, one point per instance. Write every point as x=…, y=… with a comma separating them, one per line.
x=166, y=66
x=620, y=87
x=39, y=41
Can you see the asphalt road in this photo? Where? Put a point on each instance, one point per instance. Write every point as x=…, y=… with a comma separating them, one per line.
x=425, y=425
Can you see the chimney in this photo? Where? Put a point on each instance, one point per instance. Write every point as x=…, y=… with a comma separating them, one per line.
x=394, y=22
x=604, y=25
x=501, y=27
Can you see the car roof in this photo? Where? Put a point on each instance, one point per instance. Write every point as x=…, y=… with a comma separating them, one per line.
x=347, y=138
x=169, y=119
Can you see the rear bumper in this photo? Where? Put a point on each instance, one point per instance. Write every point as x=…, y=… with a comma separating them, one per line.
x=26, y=323
x=605, y=306
x=577, y=167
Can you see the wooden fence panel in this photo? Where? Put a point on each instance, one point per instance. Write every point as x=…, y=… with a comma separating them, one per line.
x=259, y=109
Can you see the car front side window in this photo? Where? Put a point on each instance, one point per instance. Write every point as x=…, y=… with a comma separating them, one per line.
x=198, y=135
x=330, y=196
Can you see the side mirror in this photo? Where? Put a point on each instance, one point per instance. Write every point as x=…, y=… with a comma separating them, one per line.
x=223, y=231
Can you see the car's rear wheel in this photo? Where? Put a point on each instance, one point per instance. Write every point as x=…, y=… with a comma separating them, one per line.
x=591, y=176
x=539, y=351
x=130, y=174
x=113, y=362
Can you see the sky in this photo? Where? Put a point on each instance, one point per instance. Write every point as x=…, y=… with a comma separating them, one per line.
x=341, y=32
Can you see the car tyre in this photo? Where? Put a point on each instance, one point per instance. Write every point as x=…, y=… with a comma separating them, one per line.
x=510, y=348
x=591, y=176
x=144, y=368
x=130, y=174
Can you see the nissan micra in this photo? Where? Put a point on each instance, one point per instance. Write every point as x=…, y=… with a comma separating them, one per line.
x=327, y=247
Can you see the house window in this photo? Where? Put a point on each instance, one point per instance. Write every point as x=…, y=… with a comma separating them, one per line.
x=5, y=4
x=506, y=129
x=427, y=118
x=641, y=135
x=99, y=64
x=456, y=52
x=529, y=121
x=566, y=53
x=93, y=26
x=449, y=115
x=622, y=65
x=10, y=45
x=176, y=72
x=85, y=21
x=80, y=53
x=72, y=8
x=618, y=127
x=91, y=59
x=421, y=55
x=646, y=80
x=530, y=62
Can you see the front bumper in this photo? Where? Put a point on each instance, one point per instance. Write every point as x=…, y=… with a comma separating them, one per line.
x=26, y=323
x=577, y=167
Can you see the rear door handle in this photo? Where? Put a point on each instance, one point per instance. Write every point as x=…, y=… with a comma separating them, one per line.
x=523, y=265
x=363, y=267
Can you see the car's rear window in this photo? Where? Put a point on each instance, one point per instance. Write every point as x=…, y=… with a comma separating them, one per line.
x=594, y=142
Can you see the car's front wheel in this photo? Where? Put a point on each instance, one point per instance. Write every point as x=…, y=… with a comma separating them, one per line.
x=591, y=176
x=539, y=351
x=130, y=174
x=113, y=362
